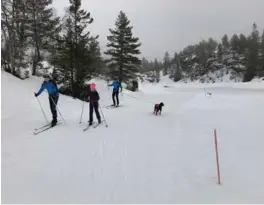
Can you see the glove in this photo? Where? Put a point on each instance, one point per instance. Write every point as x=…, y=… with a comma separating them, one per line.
x=36, y=95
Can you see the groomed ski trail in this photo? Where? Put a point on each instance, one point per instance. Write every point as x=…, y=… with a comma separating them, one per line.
x=139, y=158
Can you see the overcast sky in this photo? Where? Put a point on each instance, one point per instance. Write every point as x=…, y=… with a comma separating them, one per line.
x=170, y=25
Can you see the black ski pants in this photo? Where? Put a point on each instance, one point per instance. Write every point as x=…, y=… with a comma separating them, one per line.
x=94, y=107
x=53, y=100
x=115, y=95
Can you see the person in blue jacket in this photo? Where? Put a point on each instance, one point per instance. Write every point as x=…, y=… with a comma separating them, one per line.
x=116, y=86
x=51, y=86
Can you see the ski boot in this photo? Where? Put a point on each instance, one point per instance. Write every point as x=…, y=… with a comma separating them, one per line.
x=54, y=122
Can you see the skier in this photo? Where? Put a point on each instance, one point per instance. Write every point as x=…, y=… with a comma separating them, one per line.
x=51, y=86
x=93, y=98
x=116, y=85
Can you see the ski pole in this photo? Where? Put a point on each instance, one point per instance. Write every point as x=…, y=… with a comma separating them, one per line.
x=42, y=110
x=57, y=109
x=122, y=95
x=106, y=125
x=82, y=112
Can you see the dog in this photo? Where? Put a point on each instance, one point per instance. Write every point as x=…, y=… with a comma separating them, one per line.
x=158, y=108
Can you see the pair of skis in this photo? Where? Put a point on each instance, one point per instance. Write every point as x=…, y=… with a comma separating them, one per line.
x=112, y=106
x=94, y=125
x=48, y=126
x=44, y=128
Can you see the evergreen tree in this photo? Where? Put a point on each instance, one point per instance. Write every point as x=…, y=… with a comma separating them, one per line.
x=75, y=55
x=42, y=27
x=262, y=50
x=225, y=42
x=157, y=70
x=212, y=46
x=176, y=68
x=234, y=42
x=144, y=65
x=97, y=62
x=166, y=63
x=220, y=52
x=14, y=38
x=123, y=49
x=252, y=55
x=242, y=44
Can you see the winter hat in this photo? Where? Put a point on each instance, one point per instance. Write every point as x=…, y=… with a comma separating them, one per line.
x=92, y=86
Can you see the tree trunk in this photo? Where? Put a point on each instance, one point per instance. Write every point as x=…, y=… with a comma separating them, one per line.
x=36, y=38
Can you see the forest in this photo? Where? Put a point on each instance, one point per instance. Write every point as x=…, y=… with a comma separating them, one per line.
x=35, y=40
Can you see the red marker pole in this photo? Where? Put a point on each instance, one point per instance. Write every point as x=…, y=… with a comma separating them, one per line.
x=217, y=158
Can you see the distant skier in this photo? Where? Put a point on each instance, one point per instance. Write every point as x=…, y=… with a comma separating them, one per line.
x=93, y=98
x=51, y=86
x=116, y=85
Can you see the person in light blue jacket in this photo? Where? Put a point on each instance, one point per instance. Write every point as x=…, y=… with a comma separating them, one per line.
x=116, y=86
x=51, y=86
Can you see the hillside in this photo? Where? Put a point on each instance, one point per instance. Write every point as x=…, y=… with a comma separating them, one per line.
x=139, y=158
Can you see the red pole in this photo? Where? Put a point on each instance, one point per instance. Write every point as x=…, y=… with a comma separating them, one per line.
x=217, y=158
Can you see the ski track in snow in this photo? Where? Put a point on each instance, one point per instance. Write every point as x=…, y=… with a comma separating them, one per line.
x=139, y=158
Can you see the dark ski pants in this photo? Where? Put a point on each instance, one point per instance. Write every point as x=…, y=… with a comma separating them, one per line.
x=94, y=107
x=115, y=95
x=53, y=100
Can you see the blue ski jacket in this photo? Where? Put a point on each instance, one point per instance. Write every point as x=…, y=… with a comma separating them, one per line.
x=116, y=85
x=50, y=86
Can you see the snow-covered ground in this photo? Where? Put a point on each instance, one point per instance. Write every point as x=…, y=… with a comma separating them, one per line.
x=139, y=158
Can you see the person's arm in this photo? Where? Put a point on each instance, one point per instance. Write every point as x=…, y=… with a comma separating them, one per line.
x=97, y=97
x=40, y=90
x=88, y=96
x=120, y=87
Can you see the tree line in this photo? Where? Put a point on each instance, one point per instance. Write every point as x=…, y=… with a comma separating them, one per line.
x=32, y=33
x=241, y=55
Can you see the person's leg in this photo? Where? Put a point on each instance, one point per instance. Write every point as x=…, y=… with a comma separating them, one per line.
x=113, y=97
x=96, y=106
x=53, y=100
x=91, y=113
x=117, y=98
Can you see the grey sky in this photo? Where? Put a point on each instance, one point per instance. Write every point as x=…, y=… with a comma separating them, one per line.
x=170, y=25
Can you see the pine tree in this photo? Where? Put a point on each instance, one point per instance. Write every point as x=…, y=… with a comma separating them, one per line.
x=166, y=63
x=14, y=39
x=176, y=68
x=262, y=50
x=144, y=65
x=157, y=70
x=252, y=55
x=42, y=27
x=97, y=65
x=242, y=44
x=225, y=43
x=220, y=52
x=234, y=42
x=75, y=54
x=212, y=46
x=123, y=49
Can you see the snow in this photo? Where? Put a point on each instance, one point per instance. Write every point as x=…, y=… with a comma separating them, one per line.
x=139, y=158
